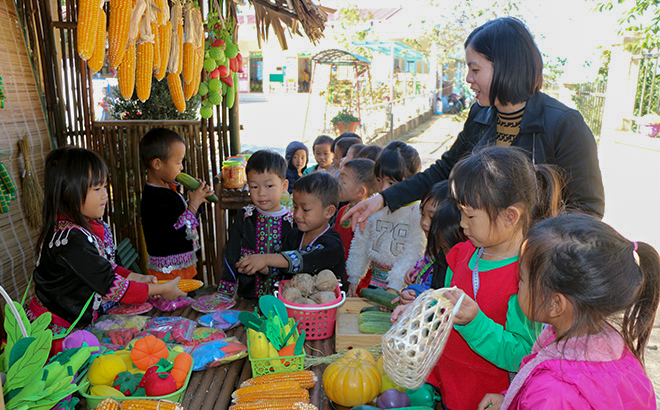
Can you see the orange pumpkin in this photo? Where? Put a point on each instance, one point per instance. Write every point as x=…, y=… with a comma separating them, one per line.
x=360, y=353
x=351, y=382
x=148, y=351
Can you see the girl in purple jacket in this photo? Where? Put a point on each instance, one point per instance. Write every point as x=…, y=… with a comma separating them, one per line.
x=579, y=276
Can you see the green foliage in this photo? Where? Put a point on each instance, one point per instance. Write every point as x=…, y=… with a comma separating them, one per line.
x=552, y=70
x=354, y=28
x=642, y=19
x=159, y=106
x=344, y=116
x=589, y=99
x=648, y=89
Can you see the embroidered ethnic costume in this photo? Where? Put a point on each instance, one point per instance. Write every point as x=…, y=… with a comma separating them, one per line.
x=75, y=265
x=170, y=231
x=253, y=232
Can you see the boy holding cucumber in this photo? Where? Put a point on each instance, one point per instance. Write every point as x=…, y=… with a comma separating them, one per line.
x=168, y=220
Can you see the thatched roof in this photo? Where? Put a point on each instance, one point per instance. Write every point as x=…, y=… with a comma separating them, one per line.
x=291, y=13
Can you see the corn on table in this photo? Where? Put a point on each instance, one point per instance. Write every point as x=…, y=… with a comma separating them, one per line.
x=211, y=389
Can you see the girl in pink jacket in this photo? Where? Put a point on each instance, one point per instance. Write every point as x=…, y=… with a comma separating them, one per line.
x=576, y=275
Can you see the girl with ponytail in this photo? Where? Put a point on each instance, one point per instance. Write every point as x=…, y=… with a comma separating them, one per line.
x=598, y=292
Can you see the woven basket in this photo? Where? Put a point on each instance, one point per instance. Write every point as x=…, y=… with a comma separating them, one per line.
x=413, y=345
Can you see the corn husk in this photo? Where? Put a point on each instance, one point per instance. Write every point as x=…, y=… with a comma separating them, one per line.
x=33, y=194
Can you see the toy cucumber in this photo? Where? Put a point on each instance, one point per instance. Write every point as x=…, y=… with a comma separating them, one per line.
x=192, y=184
x=379, y=296
x=231, y=92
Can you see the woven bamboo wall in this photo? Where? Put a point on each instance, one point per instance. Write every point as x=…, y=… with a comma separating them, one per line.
x=22, y=115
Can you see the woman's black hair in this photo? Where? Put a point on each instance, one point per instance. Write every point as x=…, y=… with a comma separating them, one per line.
x=495, y=178
x=369, y=152
x=69, y=173
x=156, y=144
x=517, y=63
x=397, y=161
x=601, y=273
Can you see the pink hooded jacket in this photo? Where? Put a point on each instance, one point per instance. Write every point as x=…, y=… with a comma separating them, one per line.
x=587, y=372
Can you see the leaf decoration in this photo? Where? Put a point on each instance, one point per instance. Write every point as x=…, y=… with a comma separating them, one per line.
x=41, y=323
x=32, y=388
x=26, y=368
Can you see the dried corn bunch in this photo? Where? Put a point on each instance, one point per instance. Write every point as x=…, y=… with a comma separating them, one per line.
x=136, y=19
x=145, y=54
x=120, y=22
x=188, y=45
x=306, y=379
x=156, y=33
x=274, y=405
x=149, y=404
x=290, y=394
x=88, y=23
x=272, y=388
x=176, y=43
x=108, y=404
x=176, y=91
x=126, y=73
x=165, y=36
x=95, y=63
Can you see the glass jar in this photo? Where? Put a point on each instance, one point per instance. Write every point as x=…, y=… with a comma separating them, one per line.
x=233, y=174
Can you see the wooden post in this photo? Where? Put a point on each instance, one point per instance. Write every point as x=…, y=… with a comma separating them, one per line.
x=234, y=127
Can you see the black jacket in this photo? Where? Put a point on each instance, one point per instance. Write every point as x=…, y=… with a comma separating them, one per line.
x=550, y=132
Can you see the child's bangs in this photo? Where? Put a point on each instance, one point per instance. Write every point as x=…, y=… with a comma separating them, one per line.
x=389, y=164
x=98, y=171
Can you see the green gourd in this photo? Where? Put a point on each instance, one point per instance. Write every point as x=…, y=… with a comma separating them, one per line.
x=376, y=328
x=375, y=317
x=379, y=296
x=192, y=184
x=370, y=309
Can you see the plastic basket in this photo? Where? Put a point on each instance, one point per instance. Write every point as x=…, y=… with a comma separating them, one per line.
x=278, y=364
x=318, y=321
x=93, y=401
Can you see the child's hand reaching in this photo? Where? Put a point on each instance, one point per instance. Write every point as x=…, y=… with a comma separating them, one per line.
x=198, y=196
x=137, y=277
x=491, y=401
x=352, y=290
x=170, y=290
x=398, y=311
x=252, y=264
x=468, y=310
x=410, y=277
x=405, y=297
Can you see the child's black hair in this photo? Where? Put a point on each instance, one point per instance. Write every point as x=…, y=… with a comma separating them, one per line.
x=322, y=139
x=363, y=169
x=356, y=148
x=345, y=143
x=370, y=152
x=156, y=144
x=69, y=173
x=397, y=161
x=321, y=185
x=445, y=224
x=269, y=161
x=342, y=136
x=495, y=178
x=604, y=276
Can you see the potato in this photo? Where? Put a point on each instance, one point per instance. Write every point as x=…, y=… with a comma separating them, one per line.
x=304, y=282
x=326, y=281
x=291, y=294
x=322, y=298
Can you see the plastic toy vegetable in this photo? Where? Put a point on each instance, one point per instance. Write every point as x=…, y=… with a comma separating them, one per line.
x=392, y=399
x=147, y=351
x=351, y=382
x=362, y=354
x=182, y=364
x=104, y=369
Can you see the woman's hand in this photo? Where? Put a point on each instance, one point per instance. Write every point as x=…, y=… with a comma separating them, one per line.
x=468, y=310
x=198, y=196
x=170, y=290
x=492, y=400
x=137, y=277
x=360, y=212
x=398, y=311
x=352, y=290
x=410, y=277
x=405, y=297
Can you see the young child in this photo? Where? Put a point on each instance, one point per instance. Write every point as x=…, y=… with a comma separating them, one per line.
x=312, y=246
x=370, y=152
x=340, y=148
x=351, y=153
x=392, y=242
x=322, y=154
x=581, y=277
x=357, y=182
x=169, y=222
x=497, y=192
x=296, y=158
x=258, y=228
x=76, y=263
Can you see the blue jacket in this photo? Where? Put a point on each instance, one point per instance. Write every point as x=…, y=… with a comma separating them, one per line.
x=550, y=132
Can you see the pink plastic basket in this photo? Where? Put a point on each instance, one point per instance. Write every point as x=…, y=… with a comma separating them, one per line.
x=318, y=321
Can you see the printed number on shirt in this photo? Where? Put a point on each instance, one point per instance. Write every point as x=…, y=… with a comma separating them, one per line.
x=397, y=233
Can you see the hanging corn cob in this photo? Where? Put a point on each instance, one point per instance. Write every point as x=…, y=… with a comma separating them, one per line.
x=96, y=62
x=145, y=54
x=165, y=34
x=120, y=21
x=174, y=67
x=126, y=73
x=189, y=33
x=88, y=18
x=156, y=34
x=176, y=91
x=195, y=47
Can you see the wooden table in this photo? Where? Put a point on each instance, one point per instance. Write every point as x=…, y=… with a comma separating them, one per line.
x=211, y=389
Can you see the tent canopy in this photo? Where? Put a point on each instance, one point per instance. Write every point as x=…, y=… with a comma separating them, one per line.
x=340, y=57
x=400, y=50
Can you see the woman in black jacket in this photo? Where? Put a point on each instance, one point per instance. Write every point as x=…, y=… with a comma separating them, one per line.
x=505, y=70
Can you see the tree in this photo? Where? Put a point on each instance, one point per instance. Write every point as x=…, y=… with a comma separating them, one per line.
x=159, y=106
x=641, y=17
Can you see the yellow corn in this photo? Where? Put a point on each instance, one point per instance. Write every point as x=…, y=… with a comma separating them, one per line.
x=179, y=33
x=126, y=73
x=272, y=387
x=120, y=20
x=107, y=404
x=96, y=62
x=165, y=35
x=147, y=404
x=197, y=75
x=156, y=33
x=159, y=4
x=187, y=285
x=188, y=62
x=274, y=405
x=306, y=379
x=176, y=91
x=144, y=71
x=88, y=16
x=290, y=394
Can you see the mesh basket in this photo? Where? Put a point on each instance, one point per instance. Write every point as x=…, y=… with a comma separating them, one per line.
x=318, y=321
x=412, y=346
x=281, y=364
